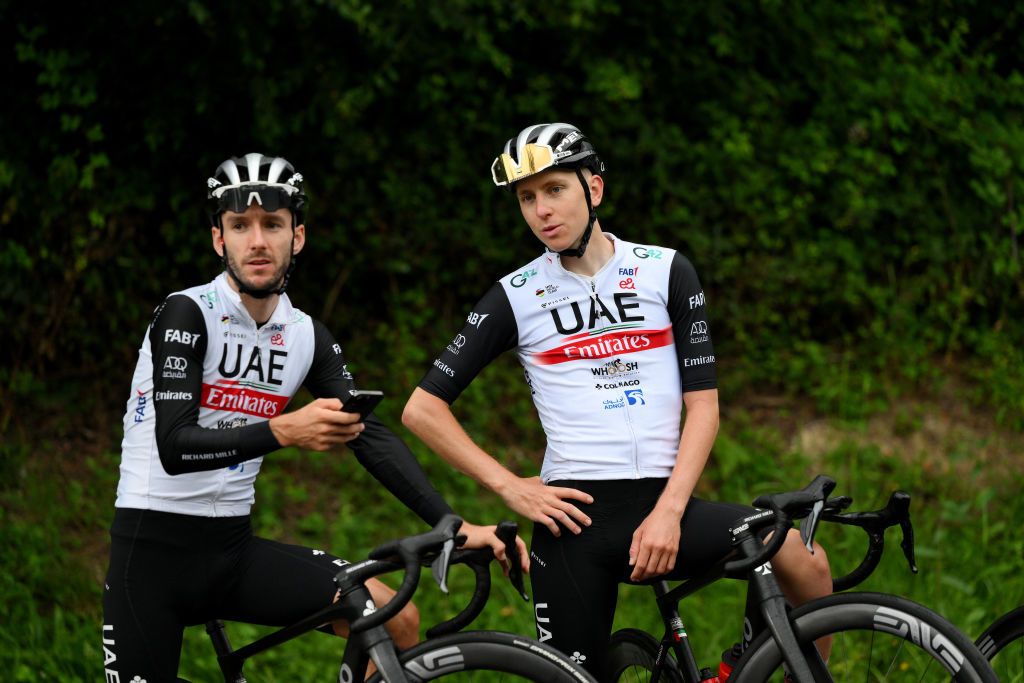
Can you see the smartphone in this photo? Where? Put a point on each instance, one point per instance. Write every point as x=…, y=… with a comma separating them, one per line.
x=362, y=401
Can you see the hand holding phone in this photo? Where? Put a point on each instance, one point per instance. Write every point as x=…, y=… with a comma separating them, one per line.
x=362, y=401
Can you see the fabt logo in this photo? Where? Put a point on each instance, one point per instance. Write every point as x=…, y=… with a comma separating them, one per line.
x=697, y=300
x=476, y=319
x=181, y=337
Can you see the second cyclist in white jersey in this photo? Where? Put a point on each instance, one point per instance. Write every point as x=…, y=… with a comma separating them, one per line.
x=614, y=340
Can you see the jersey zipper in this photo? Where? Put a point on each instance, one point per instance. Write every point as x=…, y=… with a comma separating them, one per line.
x=592, y=281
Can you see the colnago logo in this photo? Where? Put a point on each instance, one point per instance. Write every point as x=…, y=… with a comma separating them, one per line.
x=242, y=397
x=588, y=346
x=618, y=385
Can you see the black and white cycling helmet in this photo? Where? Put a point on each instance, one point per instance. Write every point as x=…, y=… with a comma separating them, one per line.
x=271, y=182
x=550, y=145
x=543, y=146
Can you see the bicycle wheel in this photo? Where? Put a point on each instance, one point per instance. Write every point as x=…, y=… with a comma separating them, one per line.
x=1002, y=644
x=877, y=637
x=489, y=656
x=631, y=656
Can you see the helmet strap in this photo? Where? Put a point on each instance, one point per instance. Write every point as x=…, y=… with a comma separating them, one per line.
x=579, y=249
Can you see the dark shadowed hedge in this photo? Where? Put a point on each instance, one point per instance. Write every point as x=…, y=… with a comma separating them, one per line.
x=847, y=177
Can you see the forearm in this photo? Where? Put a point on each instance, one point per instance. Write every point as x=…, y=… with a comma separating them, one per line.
x=698, y=436
x=431, y=419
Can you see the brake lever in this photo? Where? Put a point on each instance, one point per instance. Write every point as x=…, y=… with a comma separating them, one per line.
x=899, y=502
x=506, y=532
x=439, y=567
x=809, y=526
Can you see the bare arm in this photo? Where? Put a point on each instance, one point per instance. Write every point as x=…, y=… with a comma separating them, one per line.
x=432, y=420
x=656, y=541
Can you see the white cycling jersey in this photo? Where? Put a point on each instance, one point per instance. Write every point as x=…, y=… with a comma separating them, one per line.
x=607, y=357
x=207, y=381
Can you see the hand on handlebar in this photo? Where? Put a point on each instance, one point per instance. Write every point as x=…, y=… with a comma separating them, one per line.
x=484, y=536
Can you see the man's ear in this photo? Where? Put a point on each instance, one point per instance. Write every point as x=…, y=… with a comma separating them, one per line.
x=596, y=184
x=299, y=240
x=217, y=237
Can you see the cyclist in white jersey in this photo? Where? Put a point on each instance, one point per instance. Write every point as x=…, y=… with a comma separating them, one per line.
x=216, y=369
x=614, y=340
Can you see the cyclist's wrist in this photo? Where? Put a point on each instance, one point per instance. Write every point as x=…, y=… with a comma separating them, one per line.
x=280, y=431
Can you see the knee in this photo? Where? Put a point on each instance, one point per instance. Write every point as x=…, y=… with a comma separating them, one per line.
x=796, y=562
x=404, y=627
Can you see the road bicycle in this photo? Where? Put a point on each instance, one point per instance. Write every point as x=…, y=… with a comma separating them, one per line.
x=446, y=653
x=876, y=636
x=1002, y=644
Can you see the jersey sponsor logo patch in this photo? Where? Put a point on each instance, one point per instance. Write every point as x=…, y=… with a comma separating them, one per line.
x=646, y=252
x=476, y=319
x=174, y=367
x=699, y=332
x=635, y=397
x=699, y=360
x=444, y=368
x=233, y=423
x=616, y=368
x=173, y=396
x=618, y=385
x=236, y=397
x=599, y=314
x=519, y=279
x=181, y=337
x=697, y=300
x=140, y=406
x=585, y=347
x=456, y=344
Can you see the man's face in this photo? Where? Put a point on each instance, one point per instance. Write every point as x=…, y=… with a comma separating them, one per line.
x=258, y=245
x=554, y=206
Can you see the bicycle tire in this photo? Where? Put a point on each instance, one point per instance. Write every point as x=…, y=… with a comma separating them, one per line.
x=1002, y=644
x=479, y=655
x=631, y=656
x=919, y=644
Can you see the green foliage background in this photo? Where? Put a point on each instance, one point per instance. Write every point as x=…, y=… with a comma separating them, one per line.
x=845, y=176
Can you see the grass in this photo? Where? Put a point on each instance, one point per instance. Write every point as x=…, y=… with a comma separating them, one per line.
x=56, y=504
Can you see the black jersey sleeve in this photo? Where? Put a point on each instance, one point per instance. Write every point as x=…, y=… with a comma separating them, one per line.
x=178, y=338
x=489, y=331
x=378, y=449
x=688, y=312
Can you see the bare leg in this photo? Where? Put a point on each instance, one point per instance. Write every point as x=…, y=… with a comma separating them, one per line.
x=804, y=577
